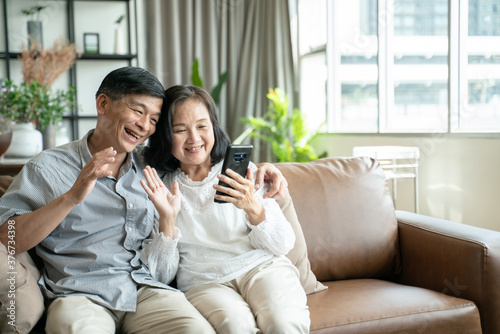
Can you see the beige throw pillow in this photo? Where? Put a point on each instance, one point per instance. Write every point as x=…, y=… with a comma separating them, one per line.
x=298, y=254
x=21, y=301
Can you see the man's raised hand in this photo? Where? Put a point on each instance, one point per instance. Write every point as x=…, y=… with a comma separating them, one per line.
x=96, y=167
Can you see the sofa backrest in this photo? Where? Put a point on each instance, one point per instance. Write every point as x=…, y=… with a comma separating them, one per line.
x=347, y=216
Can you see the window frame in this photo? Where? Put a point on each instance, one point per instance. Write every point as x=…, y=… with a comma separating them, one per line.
x=457, y=63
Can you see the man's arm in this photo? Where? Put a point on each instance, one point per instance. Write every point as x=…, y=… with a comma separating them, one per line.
x=33, y=227
x=269, y=172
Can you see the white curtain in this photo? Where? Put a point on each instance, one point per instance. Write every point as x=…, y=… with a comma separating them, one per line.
x=249, y=38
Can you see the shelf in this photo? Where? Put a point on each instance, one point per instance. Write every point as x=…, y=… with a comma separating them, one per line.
x=15, y=55
x=107, y=56
x=72, y=19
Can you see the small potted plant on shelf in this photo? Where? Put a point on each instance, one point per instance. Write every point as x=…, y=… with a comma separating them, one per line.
x=27, y=104
x=118, y=35
x=34, y=24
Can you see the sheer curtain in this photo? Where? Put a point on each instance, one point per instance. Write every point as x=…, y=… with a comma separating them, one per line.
x=249, y=38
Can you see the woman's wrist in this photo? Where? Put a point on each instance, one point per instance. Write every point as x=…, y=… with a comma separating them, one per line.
x=167, y=226
x=256, y=214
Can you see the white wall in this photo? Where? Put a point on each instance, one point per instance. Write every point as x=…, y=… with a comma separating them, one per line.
x=459, y=175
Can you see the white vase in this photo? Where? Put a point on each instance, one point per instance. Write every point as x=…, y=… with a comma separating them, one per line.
x=118, y=41
x=26, y=141
x=35, y=31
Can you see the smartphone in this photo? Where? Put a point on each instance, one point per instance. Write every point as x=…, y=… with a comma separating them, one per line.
x=237, y=159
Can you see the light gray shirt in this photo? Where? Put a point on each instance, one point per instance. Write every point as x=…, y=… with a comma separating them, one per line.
x=95, y=250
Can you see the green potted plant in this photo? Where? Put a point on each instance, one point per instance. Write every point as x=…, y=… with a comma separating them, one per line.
x=287, y=133
x=27, y=104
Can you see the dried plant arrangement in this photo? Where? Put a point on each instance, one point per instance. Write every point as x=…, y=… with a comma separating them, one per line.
x=46, y=65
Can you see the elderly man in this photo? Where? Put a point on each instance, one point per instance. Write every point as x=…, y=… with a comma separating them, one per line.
x=83, y=207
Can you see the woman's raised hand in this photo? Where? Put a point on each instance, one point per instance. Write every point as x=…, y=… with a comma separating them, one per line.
x=168, y=204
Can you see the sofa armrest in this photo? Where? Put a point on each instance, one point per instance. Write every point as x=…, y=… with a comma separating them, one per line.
x=456, y=259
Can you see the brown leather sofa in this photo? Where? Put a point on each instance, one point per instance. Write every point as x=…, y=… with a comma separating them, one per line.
x=385, y=271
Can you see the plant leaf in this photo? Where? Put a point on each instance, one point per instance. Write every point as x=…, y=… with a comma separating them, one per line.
x=287, y=133
x=195, y=74
x=217, y=89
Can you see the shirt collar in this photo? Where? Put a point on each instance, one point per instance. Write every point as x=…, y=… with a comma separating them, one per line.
x=131, y=161
x=85, y=154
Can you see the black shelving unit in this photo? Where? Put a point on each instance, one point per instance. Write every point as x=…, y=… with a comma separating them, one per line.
x=131, y=56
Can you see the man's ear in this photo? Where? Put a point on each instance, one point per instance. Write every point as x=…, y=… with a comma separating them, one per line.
x=101, y=103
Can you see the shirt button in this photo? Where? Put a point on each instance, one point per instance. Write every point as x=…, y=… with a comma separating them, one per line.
x=131, y=205
x=129, y=229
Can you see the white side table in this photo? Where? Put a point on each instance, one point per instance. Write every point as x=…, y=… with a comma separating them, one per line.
x=398, y=162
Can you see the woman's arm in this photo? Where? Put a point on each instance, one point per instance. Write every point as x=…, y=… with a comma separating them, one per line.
x=275, y=234
x=270, y=229
x=160, y=253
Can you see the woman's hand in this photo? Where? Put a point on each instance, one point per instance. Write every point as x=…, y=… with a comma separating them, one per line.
x=241, y=194
x=168, y=204
x=272, y=174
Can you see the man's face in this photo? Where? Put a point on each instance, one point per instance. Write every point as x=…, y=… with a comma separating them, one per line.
x=128, y=122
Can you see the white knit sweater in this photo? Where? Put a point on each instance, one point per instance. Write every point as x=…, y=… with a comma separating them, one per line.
x=216, y=242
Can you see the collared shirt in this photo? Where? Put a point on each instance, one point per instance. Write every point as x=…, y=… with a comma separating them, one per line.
x=95, y=250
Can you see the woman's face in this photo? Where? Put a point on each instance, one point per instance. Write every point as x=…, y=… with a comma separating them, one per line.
x=193, y=135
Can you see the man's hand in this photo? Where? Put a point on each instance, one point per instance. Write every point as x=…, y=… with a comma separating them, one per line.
x=96, y=167
x=35, y=226
x=269, y=172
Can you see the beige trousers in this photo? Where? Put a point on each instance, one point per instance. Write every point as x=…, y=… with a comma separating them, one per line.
x=158, y=311
x=267, y=299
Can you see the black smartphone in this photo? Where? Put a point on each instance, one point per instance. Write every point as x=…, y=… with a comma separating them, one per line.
x=237, y=159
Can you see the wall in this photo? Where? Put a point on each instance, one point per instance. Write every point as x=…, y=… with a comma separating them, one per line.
x=458, y=174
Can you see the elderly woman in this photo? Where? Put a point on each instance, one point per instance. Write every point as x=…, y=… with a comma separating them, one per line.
x=231, y=262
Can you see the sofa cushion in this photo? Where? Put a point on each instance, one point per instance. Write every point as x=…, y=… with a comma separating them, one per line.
x=347, y=217
x=20, y=297
x=375, y=306
x=5, y=182
x=19, y=284
x=298, y=255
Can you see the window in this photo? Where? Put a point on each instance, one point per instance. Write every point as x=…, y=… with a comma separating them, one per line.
x=400, y=66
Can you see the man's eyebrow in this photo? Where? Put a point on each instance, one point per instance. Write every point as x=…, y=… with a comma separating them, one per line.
x=135, y=104
x=140, y=104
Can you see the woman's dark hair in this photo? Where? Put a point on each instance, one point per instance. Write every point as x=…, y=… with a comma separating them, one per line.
x=130, y=80
x=158, y=153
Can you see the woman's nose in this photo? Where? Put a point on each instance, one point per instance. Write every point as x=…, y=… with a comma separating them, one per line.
x=194, y=136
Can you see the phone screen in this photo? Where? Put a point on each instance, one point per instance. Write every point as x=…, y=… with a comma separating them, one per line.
x=237, y=159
